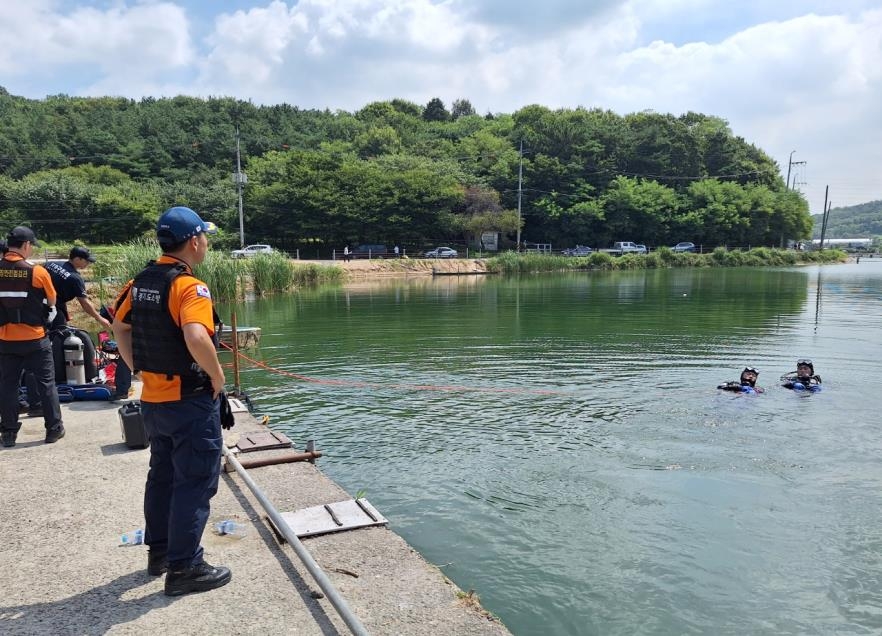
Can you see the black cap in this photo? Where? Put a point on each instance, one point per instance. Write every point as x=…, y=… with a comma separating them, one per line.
x=81, y=252
x=20, y=234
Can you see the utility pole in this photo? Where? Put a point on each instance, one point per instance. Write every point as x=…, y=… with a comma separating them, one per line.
x=789, y=164
x=520, y=189
x=795, y=185
x=240, y=179
x=824, y=217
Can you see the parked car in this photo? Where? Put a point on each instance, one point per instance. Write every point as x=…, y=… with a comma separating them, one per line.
x=442, y=252
x=684, y=246
x=641, y=249
x=370, y=250
x=251, y=250
x=579, y=250
x=623, y=247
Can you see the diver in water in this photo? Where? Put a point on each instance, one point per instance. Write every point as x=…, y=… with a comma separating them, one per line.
x=803, y=379
x=746, y=384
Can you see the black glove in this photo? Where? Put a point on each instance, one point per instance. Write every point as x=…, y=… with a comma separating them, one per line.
x=226, y=413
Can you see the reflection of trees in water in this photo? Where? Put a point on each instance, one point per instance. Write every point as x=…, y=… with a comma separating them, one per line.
x=636, y=307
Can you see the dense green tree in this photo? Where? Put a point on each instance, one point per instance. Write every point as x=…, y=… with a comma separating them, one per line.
x=436, y=111
x=391, y=171
x=377, y=141
x=461, y=108
x=855, y=221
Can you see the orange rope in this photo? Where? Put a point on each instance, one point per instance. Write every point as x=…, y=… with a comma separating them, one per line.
x=374, y=385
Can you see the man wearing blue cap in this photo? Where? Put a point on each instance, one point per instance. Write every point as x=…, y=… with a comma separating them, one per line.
x=165, y=327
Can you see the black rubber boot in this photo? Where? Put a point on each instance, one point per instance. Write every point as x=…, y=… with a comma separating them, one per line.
x=198, y=578
x=54, y=435
x=157, y=563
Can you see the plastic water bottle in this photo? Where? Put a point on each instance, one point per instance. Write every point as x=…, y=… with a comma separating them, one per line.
x=231, y=528
x=135, y=537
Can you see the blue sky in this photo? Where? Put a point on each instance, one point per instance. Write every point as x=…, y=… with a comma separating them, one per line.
x=787, y=75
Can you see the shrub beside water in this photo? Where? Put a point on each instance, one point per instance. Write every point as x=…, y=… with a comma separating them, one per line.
x=312, y=274
x=664, y=257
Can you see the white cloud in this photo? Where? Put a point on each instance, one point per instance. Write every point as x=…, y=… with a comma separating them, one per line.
x=248, y=46
x=149, y=38
x=810, y=82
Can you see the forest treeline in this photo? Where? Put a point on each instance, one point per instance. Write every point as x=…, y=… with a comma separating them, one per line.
x=100, y=169
x=854, y=221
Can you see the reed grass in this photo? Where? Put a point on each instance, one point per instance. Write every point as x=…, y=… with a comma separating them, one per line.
x=228, y=279
x=115, y=266
x=270, y=273
x=223, y=275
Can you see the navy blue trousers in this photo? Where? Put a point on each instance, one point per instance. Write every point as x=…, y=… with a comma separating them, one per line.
x=185, y=452
x=123, y=378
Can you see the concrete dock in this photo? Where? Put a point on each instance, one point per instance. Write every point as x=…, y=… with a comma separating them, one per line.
x=65, y=505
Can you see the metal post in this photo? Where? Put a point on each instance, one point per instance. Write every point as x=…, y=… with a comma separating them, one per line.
x=824, y=218
x=239, y=188
x=284, y=529
x=235, y=334
x=520, y=189
x=789, y=164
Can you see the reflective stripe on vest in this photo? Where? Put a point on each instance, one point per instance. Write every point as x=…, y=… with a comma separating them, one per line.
x=20, y=301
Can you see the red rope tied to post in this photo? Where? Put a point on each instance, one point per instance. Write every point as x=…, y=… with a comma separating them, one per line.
x=374, y=385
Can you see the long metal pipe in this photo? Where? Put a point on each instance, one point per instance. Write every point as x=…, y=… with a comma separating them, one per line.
x=282, y=526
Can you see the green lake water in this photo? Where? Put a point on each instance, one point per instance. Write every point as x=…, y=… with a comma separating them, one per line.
x=556, y=443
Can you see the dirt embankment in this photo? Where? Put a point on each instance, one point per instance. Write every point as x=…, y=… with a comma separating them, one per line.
x=379, y=268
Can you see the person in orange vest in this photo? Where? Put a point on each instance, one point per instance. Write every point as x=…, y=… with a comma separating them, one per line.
x=166, y=327
x=27, y=306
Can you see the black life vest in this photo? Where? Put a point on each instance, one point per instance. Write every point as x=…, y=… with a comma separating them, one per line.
x=158, y=344
x=20, y=301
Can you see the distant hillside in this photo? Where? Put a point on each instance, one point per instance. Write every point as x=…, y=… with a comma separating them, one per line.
x=855, y=221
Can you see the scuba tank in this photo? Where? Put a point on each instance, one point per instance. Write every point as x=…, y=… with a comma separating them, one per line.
x=74, y=362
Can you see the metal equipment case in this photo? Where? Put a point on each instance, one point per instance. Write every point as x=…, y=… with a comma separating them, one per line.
x=131, y=422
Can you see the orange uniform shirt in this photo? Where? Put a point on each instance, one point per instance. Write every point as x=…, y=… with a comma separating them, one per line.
x=189, y=302
x=17, y=331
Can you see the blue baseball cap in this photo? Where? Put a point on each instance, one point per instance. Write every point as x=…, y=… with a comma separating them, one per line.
x=179, y=223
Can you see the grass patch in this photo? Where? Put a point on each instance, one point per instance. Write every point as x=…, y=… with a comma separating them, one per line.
x=664, y=257
x=227, y=278
x=312, y=274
